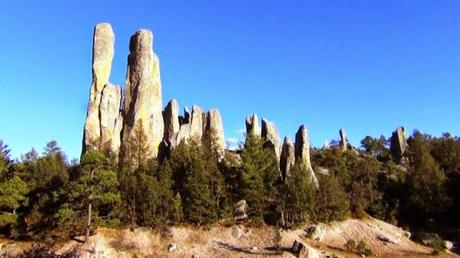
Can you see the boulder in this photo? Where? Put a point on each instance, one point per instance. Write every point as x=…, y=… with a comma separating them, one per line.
x=143, y=93
x=252, y=125
x=299, y=249
x=103, y=42
x=271, y=136
x=302, y=153
x=171, y=122
x=287, y=157
x=215, y=130
x=240, y=210
x=343, y=139
x=172, y=247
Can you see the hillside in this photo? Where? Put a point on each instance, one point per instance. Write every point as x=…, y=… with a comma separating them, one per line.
x=385, y=240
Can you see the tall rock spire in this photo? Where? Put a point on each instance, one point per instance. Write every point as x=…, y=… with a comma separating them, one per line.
x=302, y=153
x=398, y=144
x=215, y=130
x=143, y=92
x=271, y=136
x=252, y=125
x=287, y=160
x=103, y=120
x=343, y=139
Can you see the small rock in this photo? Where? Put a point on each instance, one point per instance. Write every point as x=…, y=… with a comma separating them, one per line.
x=237, y=232
x=254, y=248
x=299, y=249
x=240, y=210
x=172, y=247
x=448, y=245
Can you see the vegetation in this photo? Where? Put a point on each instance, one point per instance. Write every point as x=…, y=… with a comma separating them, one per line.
x=44, y=196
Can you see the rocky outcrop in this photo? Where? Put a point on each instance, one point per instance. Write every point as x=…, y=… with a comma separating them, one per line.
x=111, y=120
x=287, y=157
x=103, y=120
x=171, y=122
x=302, y=153
x=343, y=139
x=398, y=144
x=271, y=136
x=215, y=131
x=196, y=124
x=143, y=104
x=252, y=125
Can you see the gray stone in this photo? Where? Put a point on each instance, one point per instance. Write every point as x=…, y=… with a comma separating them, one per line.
x=111, y=120
x=240, y=210
x=196, y=124
x=143, y=92
x=399, y=144
x=215, y=129
x=171, y=122
x=103, y=41
x=287, y=157
x=302, y=153
x=252, y=125
x=343, y=140
x=271, y=136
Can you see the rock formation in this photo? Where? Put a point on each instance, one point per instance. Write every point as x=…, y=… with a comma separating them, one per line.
x=343, y=139
x=302, y=152
x=215, y=130
x=103, y=120
x=171, y=122
x=111, y=120
x=252, y=125
x=399, y=144
x=287, y=160
x=271, y=136
x=143, y=92
x=196, y=124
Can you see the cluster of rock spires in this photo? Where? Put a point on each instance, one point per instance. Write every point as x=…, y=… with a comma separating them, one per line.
x=112, y=116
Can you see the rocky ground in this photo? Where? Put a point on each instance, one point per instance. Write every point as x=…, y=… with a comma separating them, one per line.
x=383, y=239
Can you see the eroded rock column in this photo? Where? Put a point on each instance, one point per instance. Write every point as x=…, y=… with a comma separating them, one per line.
x=302, y=153
x=143, y=92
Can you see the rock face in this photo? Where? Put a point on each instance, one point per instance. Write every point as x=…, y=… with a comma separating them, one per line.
x=287, y=157
x=171, y=122
x=143, y=92
x=111, y=120
x=270, y=134
x=343, y=139
x=196, y=125
x=302, y=152
x=215, y=130
x=252, y=125
x=398, y=144
x=103, y=119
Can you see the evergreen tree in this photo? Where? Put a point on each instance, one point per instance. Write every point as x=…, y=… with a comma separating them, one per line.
x=426, y=198
x=95, y=188
x=331, y=201
x=297, y=196
x=259, y=171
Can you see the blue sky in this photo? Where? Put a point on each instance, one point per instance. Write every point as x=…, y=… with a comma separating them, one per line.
x=367, y=66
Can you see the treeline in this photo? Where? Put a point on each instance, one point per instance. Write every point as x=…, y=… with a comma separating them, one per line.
x=46, y=197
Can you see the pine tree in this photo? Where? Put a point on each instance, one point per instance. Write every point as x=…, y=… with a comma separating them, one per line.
x=259, y=171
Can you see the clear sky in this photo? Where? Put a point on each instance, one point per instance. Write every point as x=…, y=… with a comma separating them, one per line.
x=367, y=66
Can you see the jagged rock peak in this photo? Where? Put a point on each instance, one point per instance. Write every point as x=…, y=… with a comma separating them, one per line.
x=215, y=129
x=95, y=135
x=171, y=122
x=302, y=152
x=143, y=92
x=270, y=134
x=343, y=139
x=287, y=160
x=399, y=144
x=252, y=125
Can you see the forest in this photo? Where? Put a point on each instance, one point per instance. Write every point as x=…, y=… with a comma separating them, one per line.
x=45, y=197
